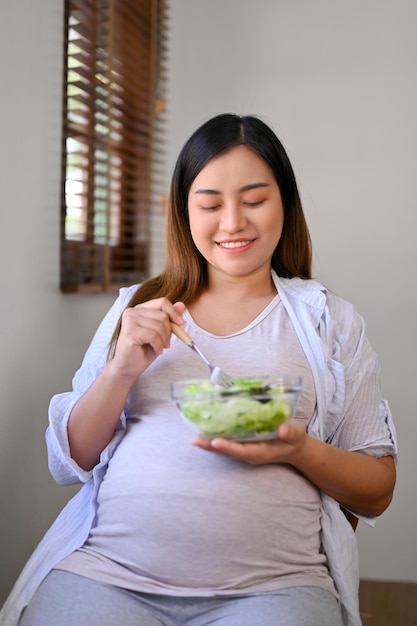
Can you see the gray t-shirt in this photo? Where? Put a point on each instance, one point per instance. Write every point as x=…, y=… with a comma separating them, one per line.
x=175, y=519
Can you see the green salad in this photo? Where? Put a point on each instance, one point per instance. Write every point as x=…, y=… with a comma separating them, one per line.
x=249, y=410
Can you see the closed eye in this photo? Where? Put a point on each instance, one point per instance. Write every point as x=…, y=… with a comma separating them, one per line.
x=254, y=204
x=210, y=208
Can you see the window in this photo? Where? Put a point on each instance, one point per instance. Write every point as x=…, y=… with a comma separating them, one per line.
x=113, y=139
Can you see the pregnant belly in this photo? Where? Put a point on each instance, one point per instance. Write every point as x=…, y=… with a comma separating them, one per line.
x=195, y=519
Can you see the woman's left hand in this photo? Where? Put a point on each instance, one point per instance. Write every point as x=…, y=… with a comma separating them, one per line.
x=358, y=481
x=291, y=438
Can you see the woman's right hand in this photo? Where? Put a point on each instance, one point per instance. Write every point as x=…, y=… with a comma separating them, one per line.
x=145, y=333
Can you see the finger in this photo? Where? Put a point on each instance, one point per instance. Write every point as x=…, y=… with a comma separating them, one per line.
x=284, y=433
x=164, y=305
x=141, y=327
x=290, y=432
x=253, y=453
x=203, y=443
x=179, y=308
x=221, y=446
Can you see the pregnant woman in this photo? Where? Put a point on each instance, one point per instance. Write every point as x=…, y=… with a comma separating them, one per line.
x=168, y=529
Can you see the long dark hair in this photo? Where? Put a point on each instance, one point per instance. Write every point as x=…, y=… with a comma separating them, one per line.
x=185, y=274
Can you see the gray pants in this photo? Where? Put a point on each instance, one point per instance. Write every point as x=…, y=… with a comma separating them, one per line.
x=65, y=599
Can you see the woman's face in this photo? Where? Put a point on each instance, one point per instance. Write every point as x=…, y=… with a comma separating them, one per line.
x=236, y=214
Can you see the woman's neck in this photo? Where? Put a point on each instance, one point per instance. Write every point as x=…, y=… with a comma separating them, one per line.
x=229, y=305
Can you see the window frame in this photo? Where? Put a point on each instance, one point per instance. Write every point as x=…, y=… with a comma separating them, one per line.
x=114, y=113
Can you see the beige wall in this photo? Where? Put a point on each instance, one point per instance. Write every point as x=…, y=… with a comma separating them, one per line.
x=337, y=81
x=43, y=333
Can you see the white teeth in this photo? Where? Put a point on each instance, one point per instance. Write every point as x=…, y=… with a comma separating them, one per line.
x=234, y=244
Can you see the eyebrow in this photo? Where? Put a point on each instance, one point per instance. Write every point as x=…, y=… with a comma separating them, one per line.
x=214, y=192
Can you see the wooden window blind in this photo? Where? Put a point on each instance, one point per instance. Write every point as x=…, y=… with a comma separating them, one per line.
x=113, y=139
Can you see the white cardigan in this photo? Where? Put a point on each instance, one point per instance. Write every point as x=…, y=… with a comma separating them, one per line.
x=343, y=364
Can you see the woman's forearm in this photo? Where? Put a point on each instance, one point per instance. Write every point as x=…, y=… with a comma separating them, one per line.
x=359, y=482
x=145, y=333
x=94, y=418
x=356, y=480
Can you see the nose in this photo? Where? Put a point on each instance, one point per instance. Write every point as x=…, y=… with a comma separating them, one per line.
x=232, y=218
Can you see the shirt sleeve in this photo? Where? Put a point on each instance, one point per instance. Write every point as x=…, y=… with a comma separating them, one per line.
x=366, y=423
x=62, y=467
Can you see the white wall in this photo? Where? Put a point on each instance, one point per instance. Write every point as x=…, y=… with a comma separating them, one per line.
x=337, y=82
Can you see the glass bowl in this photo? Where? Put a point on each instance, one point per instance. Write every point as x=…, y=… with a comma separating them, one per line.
x=251, y=410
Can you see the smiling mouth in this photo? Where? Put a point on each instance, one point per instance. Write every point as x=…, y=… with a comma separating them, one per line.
x=235, y=244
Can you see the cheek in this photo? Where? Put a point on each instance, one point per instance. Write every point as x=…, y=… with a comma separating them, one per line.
x=274, y=223
x=196, y=229
x=201, y=224
x=193, y=223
